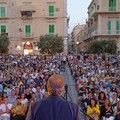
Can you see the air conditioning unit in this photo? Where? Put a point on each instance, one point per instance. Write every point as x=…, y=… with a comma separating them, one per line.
x=20, y=30
x=57, y=9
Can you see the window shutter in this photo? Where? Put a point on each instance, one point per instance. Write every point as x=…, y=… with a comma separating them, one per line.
x=51, y=29
x=3, y=29
x=28, y=30
x=109, y=26
x=117, y=26
x=2, y=12
x=110, y=3
x=114, y=5
x=51, y=10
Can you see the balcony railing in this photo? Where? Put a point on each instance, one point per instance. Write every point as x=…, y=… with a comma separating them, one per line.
x=51, y=1
x=104, y=10
x=89, y=34
x=105, y=32
x=3, y=1
x=28, y=35
x=112, y=8
x=51, y=16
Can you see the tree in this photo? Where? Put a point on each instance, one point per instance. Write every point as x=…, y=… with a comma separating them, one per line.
x=50, y=44
x=103, y=46
x=4, y=44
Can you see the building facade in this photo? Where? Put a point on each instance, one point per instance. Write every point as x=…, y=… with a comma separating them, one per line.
x=103, y=21
x=25, y=20
x=75, y=37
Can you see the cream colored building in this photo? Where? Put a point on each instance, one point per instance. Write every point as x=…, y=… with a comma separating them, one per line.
x=75, y=37
x=103, y=21
x=25, y=20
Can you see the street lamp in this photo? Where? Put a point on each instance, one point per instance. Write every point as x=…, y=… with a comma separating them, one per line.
x=77, y=47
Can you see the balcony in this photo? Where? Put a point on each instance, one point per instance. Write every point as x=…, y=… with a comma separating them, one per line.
x=28, y=36
x=3, y=1
x=50, y=16
x=2, y=34
x=88, y=34
x=3, y=18
x=105, y=33
x=26, y=14
x=51, y=1
x=112, y=9
x=27, y=8
x=103, y=10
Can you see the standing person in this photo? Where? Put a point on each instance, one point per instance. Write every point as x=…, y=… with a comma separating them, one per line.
x=54, y=107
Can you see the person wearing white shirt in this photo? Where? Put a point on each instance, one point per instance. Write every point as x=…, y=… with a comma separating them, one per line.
x=23, y=99
x=5, y=109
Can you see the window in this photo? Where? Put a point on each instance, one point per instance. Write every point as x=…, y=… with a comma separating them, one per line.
x=109, y=27
x=26, y=13
x=2, y=12
x=51, y=29
x=51, y=10
x=112, y=5
x=3, y=29
x=27, y=30
x=117, y=27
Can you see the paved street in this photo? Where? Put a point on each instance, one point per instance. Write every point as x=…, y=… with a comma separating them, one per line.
x=71, y=87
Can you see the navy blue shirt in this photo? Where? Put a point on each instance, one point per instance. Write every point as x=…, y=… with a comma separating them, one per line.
x=54, y=108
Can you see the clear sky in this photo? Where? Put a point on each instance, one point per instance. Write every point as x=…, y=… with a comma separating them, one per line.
x=77, y=9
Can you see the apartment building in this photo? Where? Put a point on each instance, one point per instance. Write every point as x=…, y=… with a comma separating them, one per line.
x=75, y=40
x=103, y=21
x=25, y=20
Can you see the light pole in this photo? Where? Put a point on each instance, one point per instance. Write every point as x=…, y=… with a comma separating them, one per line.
x=77, y=47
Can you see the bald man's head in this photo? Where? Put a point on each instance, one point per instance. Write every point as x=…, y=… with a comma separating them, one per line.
x=55, y=85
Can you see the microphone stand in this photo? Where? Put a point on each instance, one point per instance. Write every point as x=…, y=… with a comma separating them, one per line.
x=90, y=118
x=66, y=95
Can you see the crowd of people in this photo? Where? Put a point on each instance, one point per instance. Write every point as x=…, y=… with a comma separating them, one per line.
x=23, y=80
x=97, y=79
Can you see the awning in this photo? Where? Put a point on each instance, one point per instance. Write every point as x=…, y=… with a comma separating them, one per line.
x=27, y=8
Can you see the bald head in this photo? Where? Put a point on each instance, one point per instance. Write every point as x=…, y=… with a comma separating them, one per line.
x=55, y=85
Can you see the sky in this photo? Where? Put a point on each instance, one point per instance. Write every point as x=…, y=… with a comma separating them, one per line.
x=77, y=9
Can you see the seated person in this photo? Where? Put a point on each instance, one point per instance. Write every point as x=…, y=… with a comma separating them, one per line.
x=93, y=109
x=107, y=111
x=5, y=108
x=18, y=110
x=117, y=111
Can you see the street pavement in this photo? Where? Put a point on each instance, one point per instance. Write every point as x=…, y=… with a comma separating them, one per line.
x=72, y=93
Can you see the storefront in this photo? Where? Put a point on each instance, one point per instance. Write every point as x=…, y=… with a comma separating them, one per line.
x=28, y=48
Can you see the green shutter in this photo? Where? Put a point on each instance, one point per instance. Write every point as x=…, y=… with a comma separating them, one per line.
x=28, y=30
x=110, y=3
x=3, y=29
x=51, y=29
x=2, y=12
x=51, y=10
x=109, y=27
x=114, y=5
x=117, y=26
